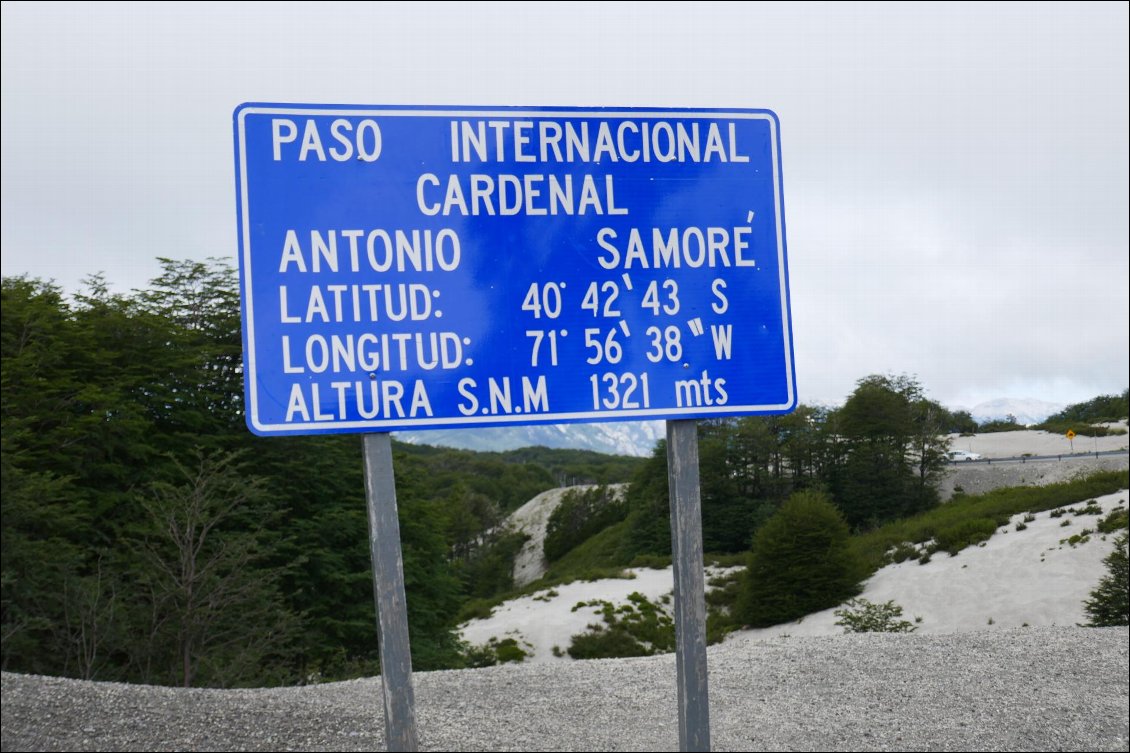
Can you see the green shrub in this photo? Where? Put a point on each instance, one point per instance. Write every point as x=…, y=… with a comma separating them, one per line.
x=651, y=561
x=494, y=651
x=800, y=562
x=508, y=651
x=956, y=536
x=1080, y=538
x=1101, y=409
x=638, y=628
x=863, y=616
x=1001, y=424
x=1081, y=429
x=998, y=505
x=1109, y=604
x=582, y=513
x=904, y=552
x=1117, y=520
x=599, y=643
x=475, y=609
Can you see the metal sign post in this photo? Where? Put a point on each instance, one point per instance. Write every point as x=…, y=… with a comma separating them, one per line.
x=690, y=586
x=388, y=591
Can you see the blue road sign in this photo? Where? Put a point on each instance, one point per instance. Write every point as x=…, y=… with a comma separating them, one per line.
x=425, y=267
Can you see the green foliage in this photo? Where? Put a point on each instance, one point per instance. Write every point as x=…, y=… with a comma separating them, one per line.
x=747, y=468
x=1115, y=521
x=649, y=513
x=997, y=425
x=1109, y=604
x=958, y=422
x=442, y=472
x=639, y=628
x=863, y=616
x=476, y=609
x=576, y=466
x=953, y=536
x=581, y=513
x=996, y=506
x=1082, y=429
x=601, y=643
x=722, y=596
x=1101, y=409
x=800, y=562
x=489, y=569
x=495, y=651
x=904, y=552
x=217, y=617
x=508, y=651
x=894, y=451
x=604, y=551
x=122, y=413
x=1079, y=538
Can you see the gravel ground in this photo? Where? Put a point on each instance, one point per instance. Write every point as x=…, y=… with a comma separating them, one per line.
x=1018, y=689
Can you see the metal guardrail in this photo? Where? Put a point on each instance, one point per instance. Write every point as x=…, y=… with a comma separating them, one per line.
x=1039, y=458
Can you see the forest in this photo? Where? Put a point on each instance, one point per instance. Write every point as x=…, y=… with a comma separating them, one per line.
x=148, y=536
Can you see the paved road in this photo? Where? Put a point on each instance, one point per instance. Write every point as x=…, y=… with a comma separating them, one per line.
x=1040, y=458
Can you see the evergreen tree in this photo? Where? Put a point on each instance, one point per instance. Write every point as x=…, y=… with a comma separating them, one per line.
x=800, y=562
x=1109, y=604
x=892, y=454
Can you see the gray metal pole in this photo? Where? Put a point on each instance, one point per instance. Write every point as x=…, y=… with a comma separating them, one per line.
x=690, y=585
x=388, y=590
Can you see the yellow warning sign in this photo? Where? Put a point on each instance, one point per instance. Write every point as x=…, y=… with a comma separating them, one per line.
x=1070, y=434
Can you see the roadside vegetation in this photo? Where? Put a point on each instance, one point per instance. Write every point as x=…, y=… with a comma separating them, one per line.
x=149, y=537
x=1085, y=418
x=1109, y=603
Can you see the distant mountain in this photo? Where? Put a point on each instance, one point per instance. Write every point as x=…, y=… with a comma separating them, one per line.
x=1026, y=410
x=635, y=438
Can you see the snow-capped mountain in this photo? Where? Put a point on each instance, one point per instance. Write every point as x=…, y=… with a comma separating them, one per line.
x=639, y=437
x=1027, y=411
x=621, y=438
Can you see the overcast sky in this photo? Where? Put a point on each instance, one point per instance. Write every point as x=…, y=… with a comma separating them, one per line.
x=955, y=175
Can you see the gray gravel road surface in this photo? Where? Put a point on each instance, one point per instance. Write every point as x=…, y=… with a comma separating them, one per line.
x=1007, y=689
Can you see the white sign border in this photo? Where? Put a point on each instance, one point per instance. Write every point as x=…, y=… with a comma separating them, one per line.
x=407, y=424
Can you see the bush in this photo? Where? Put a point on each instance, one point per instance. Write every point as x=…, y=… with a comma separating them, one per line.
x=581, y=514
x=1001, y=424
x=639, y=628
x=863, y=616
x=904, y=552
x=1104, y=408
x=953, y=538
x=800, y=563
x=1081, y=429
x=1118, y=519
x=599, y=643
x=494, y=652
x=1109, y=604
